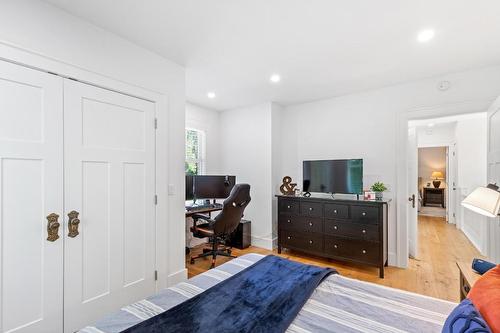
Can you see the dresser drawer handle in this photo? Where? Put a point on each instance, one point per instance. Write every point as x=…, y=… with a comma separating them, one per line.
x=364, y=231
x=334, y=211
x=310, y=208
x=310, y=224
x=289, y=237
x=310, y=242
x=289, y=221
x=335, y=227
x=335, y=246
x=288, y=206
x=364, y=251
x=364, y=213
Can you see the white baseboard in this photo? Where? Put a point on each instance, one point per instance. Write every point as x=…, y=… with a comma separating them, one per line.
x=264, y=242
x=177, y=277
x=392, y=259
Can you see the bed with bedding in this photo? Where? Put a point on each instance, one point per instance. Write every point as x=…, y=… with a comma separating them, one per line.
x=256, y=293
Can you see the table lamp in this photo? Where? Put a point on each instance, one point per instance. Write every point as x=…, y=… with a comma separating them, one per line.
x=436, y=175
x=484, y=201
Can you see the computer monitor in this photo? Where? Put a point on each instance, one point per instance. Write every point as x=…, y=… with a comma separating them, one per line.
x=213, y=187
x=189, y=187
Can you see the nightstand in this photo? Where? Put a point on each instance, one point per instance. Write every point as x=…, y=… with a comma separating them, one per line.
x=433, y=196
x=467, y=278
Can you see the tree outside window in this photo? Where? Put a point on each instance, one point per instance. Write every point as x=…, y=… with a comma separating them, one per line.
x=194, y=164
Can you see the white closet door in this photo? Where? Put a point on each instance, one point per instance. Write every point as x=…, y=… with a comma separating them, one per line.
x=109, y=155
x=31, y=188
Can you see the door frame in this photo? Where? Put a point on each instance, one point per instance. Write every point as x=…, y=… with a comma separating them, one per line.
x=33, y=60
x=419, y=113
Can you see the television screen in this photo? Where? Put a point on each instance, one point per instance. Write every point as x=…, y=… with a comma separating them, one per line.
x=333, y=176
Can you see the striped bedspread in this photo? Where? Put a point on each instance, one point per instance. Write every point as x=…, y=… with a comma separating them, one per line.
x=339, y=304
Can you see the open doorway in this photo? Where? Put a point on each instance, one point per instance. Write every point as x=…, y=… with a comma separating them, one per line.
x=433, y=189
x=446, y=161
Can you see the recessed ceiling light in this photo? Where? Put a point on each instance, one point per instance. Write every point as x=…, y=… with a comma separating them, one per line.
x=275, y=78
x=425, y=35
x=211, y=94
x=430, y=125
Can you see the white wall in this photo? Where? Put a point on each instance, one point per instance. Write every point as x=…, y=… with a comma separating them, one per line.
x=472, y=173
x=31, y=30
x=277, y=152
x=440, y=134
x=364, y=126
x=206, y=120
x=246, y=145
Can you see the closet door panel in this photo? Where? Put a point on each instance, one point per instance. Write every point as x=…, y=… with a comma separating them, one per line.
x=31, y=188
x=110, y=182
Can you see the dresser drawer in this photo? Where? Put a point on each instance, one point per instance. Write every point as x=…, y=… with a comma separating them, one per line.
x=311, y=224
x=336, y=211
x=351, y=230
x=358, y=250
x=300, y=223
x=289, y=222
x=313, y=209
x=286, y=206
x=307, y=242
x=365, y=214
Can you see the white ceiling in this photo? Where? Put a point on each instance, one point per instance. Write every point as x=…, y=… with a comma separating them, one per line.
x=321, y=48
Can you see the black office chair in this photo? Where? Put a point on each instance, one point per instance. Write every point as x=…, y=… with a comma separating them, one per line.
x=219, y=228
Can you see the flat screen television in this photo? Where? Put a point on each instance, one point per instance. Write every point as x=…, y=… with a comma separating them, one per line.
x=333, y=176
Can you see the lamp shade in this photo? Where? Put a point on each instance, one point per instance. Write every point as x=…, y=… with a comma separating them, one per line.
x=437, y=175
x=483, y=200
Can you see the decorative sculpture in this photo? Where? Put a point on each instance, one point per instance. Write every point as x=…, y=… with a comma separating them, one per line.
x=288, y=188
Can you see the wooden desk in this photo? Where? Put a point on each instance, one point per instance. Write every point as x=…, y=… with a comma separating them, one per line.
x=433, y=196
x=190, y=213
x=467, y=278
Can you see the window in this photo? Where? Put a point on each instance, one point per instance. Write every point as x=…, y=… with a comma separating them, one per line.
x=195, y=155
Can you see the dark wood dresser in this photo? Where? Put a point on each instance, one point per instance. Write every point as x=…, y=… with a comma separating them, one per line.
x=433, y=196
x=347, y=230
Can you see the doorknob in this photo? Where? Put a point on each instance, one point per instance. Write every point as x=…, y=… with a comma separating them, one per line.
x=52, y=227
x=412, y=199
x=73, y=223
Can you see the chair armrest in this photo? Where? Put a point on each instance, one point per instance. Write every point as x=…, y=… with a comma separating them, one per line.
x=202, y=217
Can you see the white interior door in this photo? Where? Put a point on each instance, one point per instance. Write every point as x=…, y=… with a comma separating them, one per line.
x=451, y=175
x=109, y=155
x=412, y=163
x=31, y=188
x=493, y=225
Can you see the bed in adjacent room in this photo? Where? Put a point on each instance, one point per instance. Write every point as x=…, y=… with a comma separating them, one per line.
x=335, y=304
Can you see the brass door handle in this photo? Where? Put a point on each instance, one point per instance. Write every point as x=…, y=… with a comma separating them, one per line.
x=52, y=227
x=73, y=223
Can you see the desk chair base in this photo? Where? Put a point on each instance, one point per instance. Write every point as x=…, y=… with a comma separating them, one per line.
x=214, y=252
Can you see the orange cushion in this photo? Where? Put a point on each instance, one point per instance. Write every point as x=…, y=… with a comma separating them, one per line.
x=485, y=295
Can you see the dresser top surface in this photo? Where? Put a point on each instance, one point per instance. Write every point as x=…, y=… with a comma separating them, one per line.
x=335, y=200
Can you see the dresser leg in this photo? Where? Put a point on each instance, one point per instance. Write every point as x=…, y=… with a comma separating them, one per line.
x=279, y=249
x=381, y=272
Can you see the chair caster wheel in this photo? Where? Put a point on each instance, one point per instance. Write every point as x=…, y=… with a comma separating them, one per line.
x=192, y=261
x=229, y=252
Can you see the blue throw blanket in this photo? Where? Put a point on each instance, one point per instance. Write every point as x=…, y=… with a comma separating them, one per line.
x=265, y=297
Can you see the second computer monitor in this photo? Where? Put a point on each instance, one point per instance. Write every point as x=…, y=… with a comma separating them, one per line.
x=213, y=187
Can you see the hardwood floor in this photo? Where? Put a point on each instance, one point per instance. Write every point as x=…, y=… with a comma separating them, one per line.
x=434, y=273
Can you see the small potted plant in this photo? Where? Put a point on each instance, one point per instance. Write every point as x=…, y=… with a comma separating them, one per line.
x=379, y=188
